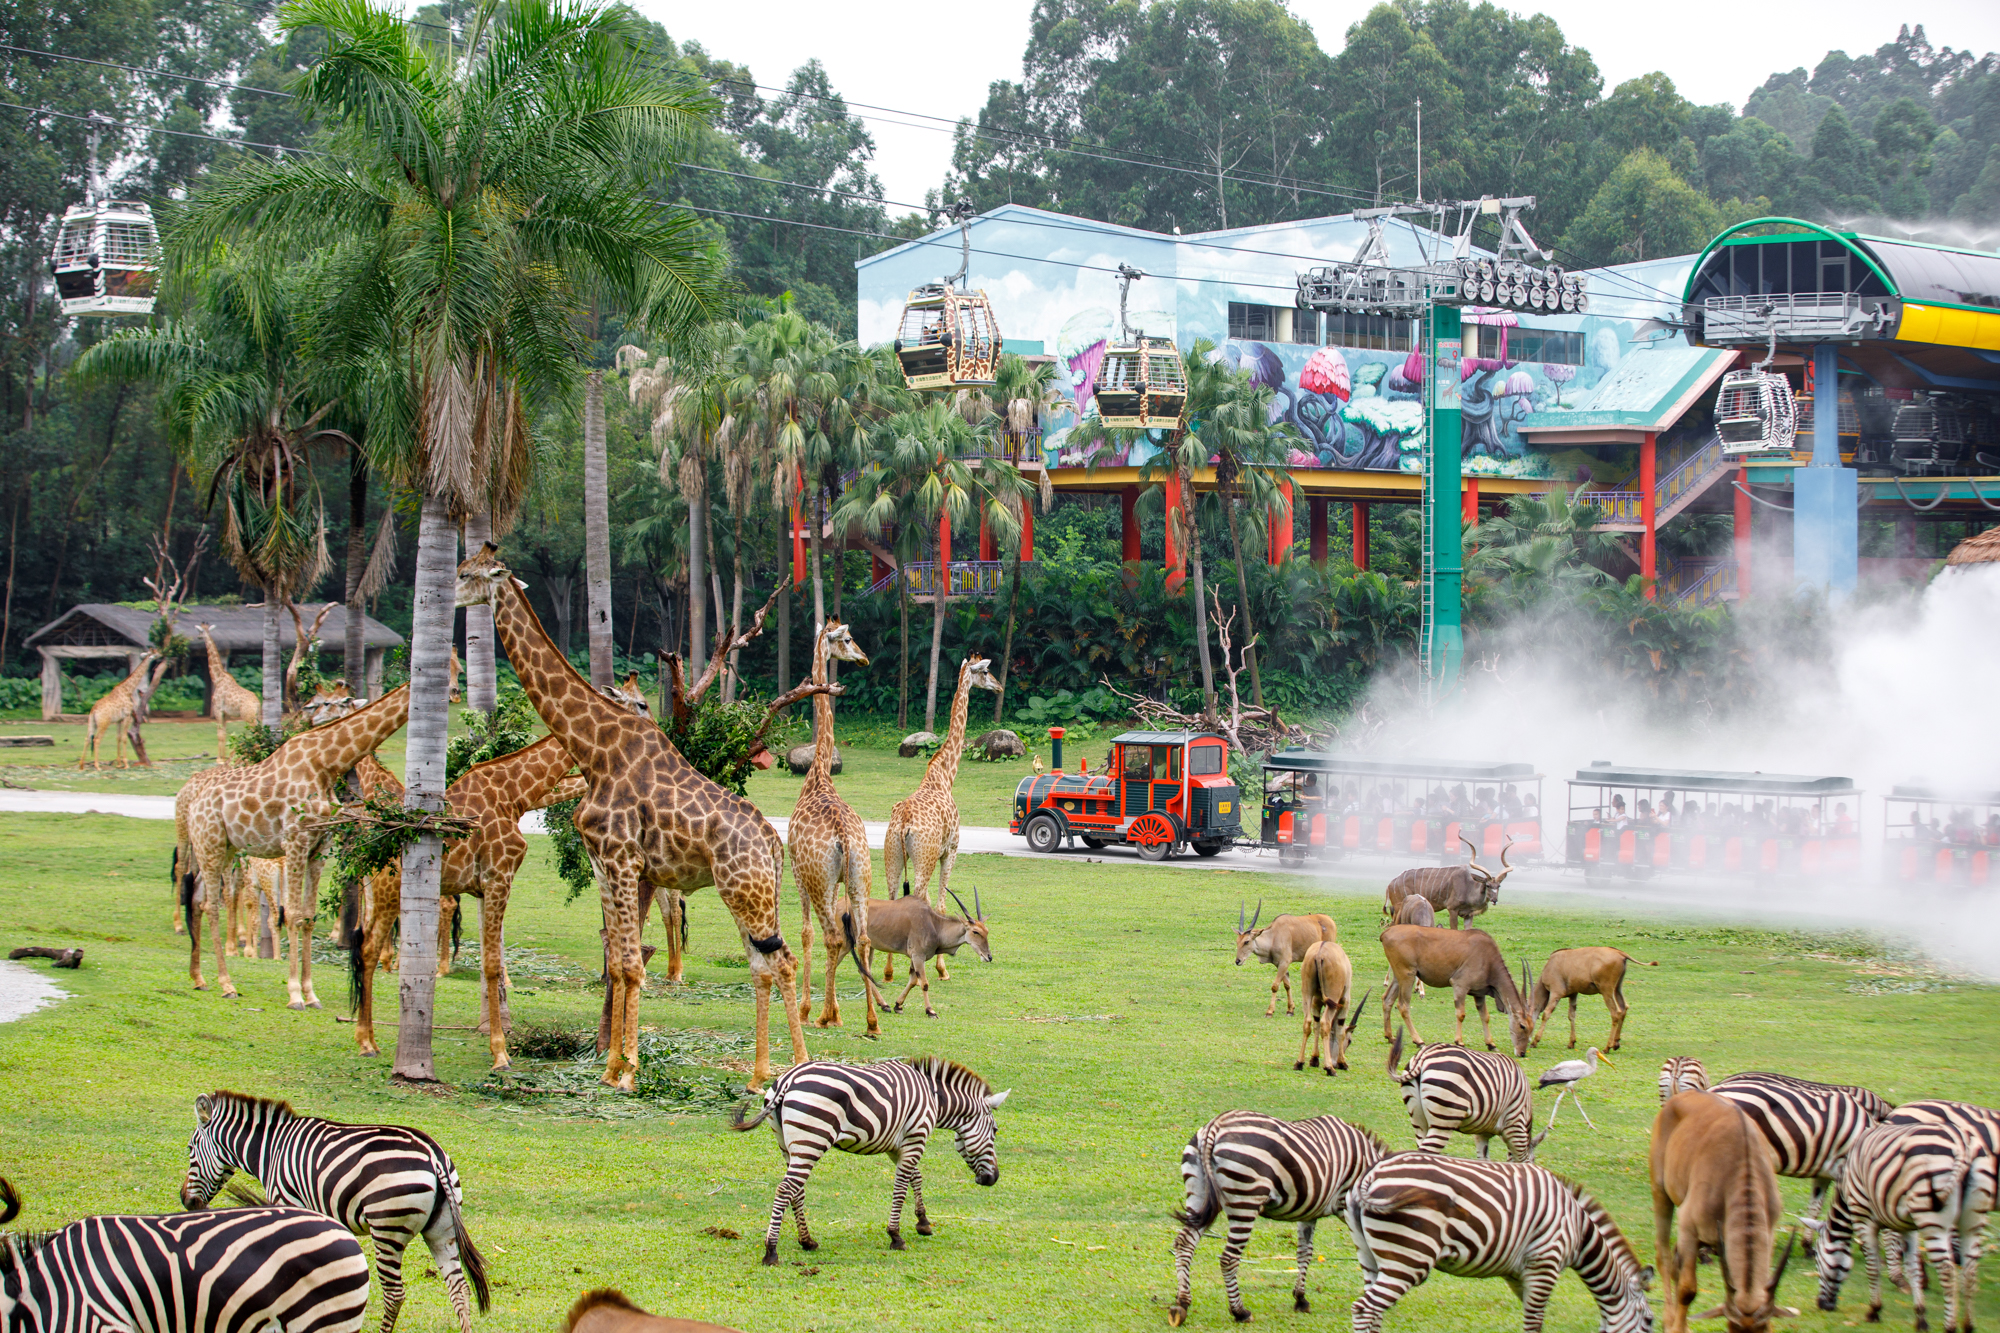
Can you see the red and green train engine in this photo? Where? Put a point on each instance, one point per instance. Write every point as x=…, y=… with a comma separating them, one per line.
x=1166, y=790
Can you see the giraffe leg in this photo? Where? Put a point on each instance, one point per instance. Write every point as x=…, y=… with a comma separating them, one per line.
x=448, y=907
x=857, y=895
x=619, y=890
x=370, y=944
x=216, y=867
x=301, y=882
x=677, y=924
x=493, y=972
x=808, y=894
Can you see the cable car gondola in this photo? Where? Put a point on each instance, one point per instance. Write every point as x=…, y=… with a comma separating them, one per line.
x=1143, y=382
x=1754, y=410
x=949, y=338
x=107, y=255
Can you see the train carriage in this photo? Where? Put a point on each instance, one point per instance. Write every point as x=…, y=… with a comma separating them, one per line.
x=1165, y=790
x=1323, y=806
x=1636, y=822
x=1933, y=836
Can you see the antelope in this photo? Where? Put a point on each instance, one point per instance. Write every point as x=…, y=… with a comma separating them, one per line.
x=1466, y=960
x=1416, y=910
x=1710, y=1162
x=1462, y=891
x=1281, y=944
x=1327, y=979
x=608, y=1310
x=1590, y=971
x=910, y=926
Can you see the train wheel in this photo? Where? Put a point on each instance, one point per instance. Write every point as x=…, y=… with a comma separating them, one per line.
x=1091, y=842
x=1044, y=835
x=1207, y=848
x=1155, y=851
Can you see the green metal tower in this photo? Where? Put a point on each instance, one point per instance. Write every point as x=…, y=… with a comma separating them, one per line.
x=1443, y=638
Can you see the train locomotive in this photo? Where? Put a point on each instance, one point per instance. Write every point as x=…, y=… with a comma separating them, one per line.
x=1165, y=790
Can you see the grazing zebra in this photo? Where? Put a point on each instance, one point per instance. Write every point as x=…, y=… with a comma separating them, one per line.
x=1245, y=1166
x=1905, y=1178
x=236, y=1270
x=1415, y=1212
x=1809, y=1126
x=1449, y=1089
x=1682, y=1073
x=391, y=1183
x=890, y=1106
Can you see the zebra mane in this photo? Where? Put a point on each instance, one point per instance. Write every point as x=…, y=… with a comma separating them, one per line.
x=1608, y=1229
x=944, y=1070
x=272, y=1108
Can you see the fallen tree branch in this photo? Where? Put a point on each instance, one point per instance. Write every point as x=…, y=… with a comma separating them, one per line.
x=61, y=957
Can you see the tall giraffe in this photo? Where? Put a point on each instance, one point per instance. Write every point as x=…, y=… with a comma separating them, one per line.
x=923, y=830
x=227, y=700
x=114, y=711
x=829, y=845
x=493, y=795
x=260, y=811
x=652, y=821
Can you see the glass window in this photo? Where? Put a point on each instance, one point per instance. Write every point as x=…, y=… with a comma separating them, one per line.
x=1166, y=763
x=1205, y=759
x=1252, y=323
x=1138, y=761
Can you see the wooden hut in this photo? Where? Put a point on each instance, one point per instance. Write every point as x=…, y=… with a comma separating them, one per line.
x=107, y=630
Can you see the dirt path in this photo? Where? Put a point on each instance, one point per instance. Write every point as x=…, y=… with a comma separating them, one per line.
x=24, y=990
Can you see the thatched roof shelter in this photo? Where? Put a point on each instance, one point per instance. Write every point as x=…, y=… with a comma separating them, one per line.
x=1978, y=550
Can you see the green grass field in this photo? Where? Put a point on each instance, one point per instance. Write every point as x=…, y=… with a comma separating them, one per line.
x=1111, y=1009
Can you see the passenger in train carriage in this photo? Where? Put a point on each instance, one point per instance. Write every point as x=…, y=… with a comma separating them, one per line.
x=1618, y=810
x=1993, y=829
x=1350, y=803
x=1843, y=826
x=1530, y=808
x=1461, y=804
x=1644, y=813
x=1510, y=802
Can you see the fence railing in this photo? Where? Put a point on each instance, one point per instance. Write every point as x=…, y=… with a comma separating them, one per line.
x=1702, y=582
x=968, y=578
x=1689, y=475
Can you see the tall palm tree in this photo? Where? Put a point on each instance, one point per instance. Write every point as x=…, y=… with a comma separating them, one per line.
x=1249, y=450
x=490, y=194
x=1028, y=393
x=242, y=406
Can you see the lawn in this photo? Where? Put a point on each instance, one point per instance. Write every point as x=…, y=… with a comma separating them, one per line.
x=1111, y=1010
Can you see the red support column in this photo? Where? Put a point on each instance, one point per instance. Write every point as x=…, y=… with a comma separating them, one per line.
x=1470, y=512
x=1648, y=550
x=1318, y=537
x=1742, y=533
x=1361, y=534
x=944, y=549
x=1028, y=530
x=1128, y=509
x=1279, y=530
x=798, y=536
x=985, y=539
x=1176, y=575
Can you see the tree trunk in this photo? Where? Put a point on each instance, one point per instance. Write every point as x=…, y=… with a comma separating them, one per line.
x=597, y=530
x=423, y=778
x=903, y=680
x=1243, y=602
x=785, y=636
x=937, y=645
x=273, y=713
x=733, y=682
x=7, y=616
x=562, y=592
x=697, y=581
x=839, y=571
x=354, y=656
x=482, y=683
x=816, y=519
x=1200, y=598
x=1007, y=644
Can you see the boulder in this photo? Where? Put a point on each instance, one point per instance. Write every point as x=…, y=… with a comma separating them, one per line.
x=916, y=743
x=1000, y=743
x=800, y=759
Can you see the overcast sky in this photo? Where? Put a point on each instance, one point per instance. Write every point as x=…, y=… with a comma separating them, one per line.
x=938, y=59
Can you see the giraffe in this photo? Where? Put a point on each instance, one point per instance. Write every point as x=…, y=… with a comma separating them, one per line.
x=923, y=830
x=650, y=822
x=260, y=810
x=493, y=794
x=829, y=845
x=226, y=699
x=114, y=711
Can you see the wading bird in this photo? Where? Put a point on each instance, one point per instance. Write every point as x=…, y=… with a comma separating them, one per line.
x=1566, y=1076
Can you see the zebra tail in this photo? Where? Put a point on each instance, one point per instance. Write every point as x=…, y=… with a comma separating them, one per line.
x=1209, y=1204
x=742, y=1121
x=10, y=1201
x=469, y=1256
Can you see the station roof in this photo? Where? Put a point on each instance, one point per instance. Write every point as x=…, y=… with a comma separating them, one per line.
x=1911, y=270
x=1441, y=770
x=236, y=629
x=1714, y=780
x=1647, y=391
x=1165, y=737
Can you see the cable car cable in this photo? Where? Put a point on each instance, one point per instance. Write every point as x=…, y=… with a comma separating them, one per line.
x=157, y=129
x=140, y=69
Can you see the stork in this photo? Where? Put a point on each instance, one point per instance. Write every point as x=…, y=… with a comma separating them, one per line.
x=1566, y=1076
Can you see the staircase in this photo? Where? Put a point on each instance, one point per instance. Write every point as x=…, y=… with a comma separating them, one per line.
x=1700, y=581
x=969, y=578
x=1624, y=510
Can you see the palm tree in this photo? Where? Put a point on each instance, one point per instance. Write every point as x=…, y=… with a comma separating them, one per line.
x=1543, y=545
x=1028, y=393
x=596, y=530
x=1249, y=451
x=242, y=407
x=488, y=193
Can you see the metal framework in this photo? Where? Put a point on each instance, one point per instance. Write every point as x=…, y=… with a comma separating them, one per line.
x=107, y=253
x=949, y=338
x=1143, y=382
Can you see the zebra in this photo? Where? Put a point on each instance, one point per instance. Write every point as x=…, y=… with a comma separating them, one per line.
x=1451, y=1089
x=1908, y=1178
x=387, y=1181
x=890, y=1106
x=1979, y=1121
x=1809, y=1126
x=1415, y=1212
x=1245, y=1165
x=235, y=1270
x=1682, y=1073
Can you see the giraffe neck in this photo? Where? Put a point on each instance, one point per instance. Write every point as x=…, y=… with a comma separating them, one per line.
x=944, y=767
x=218, y=669
x=133, y=678
x=822, y=769
x=516, y=783
x=338, y=746
x=574, y=711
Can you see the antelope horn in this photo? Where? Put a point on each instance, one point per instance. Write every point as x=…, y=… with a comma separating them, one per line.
x=1503, y=855
x=961, y=904
x=1239, y=916
x=1468, y=845
x=1256, y=914
x=1771, y=1296
x=1355, y=1021
x=978, y=912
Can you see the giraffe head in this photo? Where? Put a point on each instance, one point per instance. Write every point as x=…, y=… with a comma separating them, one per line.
x=978, y=670
x=628, y=694
x=482, y=578
x=840, y=644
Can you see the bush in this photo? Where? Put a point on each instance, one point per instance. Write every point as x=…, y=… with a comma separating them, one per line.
x=509, y=727
x=20, y=692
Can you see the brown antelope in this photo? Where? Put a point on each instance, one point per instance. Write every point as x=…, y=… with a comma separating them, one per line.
x=1466, y=960
x=1590, y=971
x=608, y=1310
x=910, y=926
x=1462, y=891
x=1416, y=910
x=1280, y=944
x=1710, y=1163
x=1326, y=978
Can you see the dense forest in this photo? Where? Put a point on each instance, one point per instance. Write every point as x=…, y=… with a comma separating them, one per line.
x=1185, y=113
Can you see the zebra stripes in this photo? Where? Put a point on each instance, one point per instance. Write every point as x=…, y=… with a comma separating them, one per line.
x=1416, y=1212
x=1244, y=1165
x=1908, y=1178
x=1809, y=1126
x=1979, y=1121
x=391, y=1183
x=1682, y=1073
x=236, y=1270
x=1449, y=1089
x=890, y=1106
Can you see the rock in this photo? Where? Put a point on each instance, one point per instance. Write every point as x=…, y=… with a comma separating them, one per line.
x=916, y=743
x=800, y=759
x=1000, y=743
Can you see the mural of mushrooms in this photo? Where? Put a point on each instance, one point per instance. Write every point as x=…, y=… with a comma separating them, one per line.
x=1477, y=398
x=1391, y=429
x=1558, y=375
x=1520, y=387
x=1324, y=385
x=1408, y=377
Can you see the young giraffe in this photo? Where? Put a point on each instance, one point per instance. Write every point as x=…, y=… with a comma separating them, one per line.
x=259, y=811
x=114, y=711
x=227, y=700
x=650, y=822
x=829, y=846
x=493, y=794
x=923, y=830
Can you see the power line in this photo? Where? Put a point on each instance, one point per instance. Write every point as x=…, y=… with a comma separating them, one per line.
x=154, y=129
x=140, y=69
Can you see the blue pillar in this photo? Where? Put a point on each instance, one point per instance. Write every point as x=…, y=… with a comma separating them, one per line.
x=1826, y=520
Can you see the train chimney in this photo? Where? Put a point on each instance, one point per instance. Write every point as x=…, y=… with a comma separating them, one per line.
x=1055, y=749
